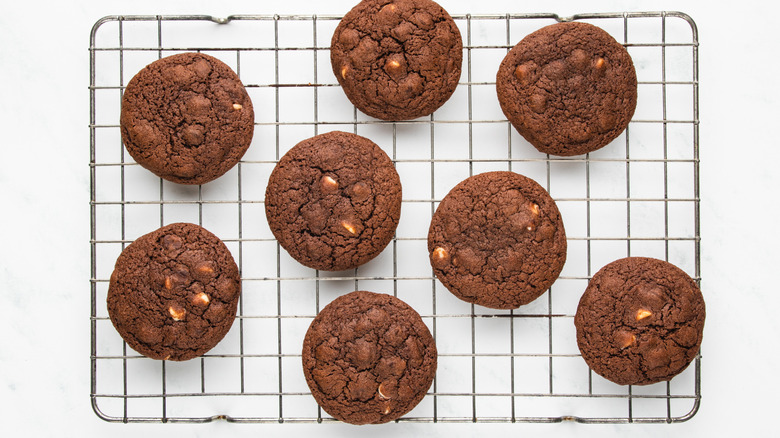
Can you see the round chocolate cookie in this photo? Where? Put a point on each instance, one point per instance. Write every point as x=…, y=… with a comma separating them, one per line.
x=568, y=88
x=368, y=358
x=174, y=292
x=640, y=321
x=397, y=59
x=497, y=240
x=187, y=118
x=333, y=201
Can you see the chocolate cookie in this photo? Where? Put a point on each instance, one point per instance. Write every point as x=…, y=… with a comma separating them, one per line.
x=368, y=358
x=333, y=201
x=397, y=59
x=497, y=240
x=187, y=118
x=640, y=321
x=174, y=292
x=568, y=88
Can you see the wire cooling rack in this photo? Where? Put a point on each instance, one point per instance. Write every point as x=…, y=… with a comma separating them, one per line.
x=637, y=196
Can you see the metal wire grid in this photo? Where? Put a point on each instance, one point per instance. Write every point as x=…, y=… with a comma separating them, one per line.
x=494, y=366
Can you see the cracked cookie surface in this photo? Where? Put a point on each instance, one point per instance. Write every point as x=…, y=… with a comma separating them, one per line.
x=640, y=321
x=333, y=201
x=368, y=358
x=497, y=240
x=187, y=118
x=174, y=292
x=397, y=59
x=568, y=88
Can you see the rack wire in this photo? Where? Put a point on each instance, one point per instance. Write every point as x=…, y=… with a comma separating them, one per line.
x=637, y=196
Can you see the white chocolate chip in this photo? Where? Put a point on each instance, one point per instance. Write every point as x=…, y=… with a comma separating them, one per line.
x=201, y=299
x=389, y=8
x=642, y=314
x=521, y=73
x=177, y=313
x=624, y=339
x=440, y=253
x=349, y=227
x=205, y=268
x=329, y=184
x=382, y=394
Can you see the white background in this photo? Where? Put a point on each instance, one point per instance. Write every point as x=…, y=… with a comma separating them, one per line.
x=44, y=233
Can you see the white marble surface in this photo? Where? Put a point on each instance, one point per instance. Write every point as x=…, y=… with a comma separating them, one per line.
x=44, y=184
